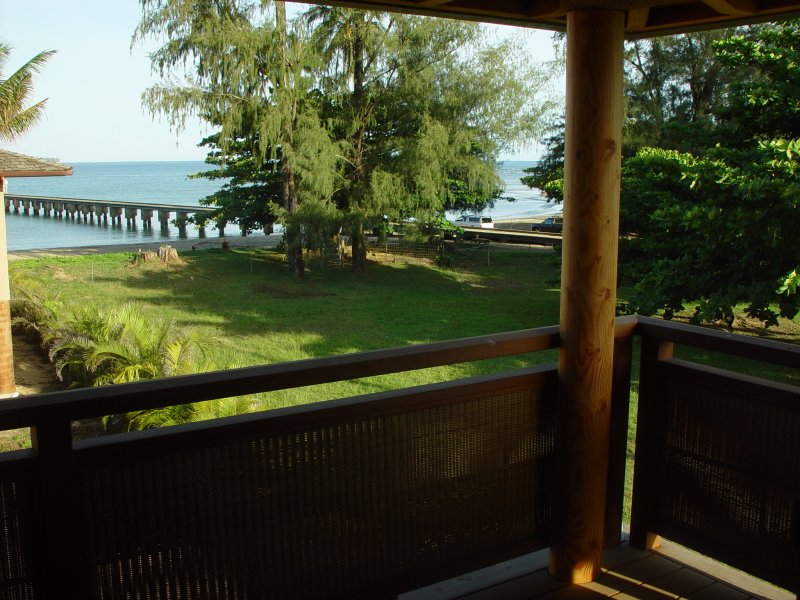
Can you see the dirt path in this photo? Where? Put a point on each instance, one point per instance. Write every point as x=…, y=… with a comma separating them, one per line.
x=33, y=374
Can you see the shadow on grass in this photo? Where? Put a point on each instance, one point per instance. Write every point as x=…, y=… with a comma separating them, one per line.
x=249, y=293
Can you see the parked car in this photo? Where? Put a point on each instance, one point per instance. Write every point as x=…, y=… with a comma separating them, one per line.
x=550, y=224
x=474, y=221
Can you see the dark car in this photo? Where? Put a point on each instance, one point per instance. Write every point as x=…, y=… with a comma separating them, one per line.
x=550, y=224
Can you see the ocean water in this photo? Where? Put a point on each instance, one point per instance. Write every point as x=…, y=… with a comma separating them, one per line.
x=169, y=183
x=519, y=201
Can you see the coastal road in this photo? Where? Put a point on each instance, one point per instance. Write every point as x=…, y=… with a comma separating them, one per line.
x=513, y=236
x=182, y=245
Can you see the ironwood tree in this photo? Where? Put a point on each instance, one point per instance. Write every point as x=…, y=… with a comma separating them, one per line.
x=367, y=116
x=245, y=69
x=421, y=108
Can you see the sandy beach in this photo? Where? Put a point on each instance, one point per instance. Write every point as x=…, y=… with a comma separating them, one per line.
x=188, y=245
x=258, y=241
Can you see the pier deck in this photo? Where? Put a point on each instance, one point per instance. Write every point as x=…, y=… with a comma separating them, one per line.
x=86, y=209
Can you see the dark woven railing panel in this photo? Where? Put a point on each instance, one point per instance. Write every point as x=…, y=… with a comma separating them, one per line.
x=16, y=535
x=340, y=508
x=730, y=473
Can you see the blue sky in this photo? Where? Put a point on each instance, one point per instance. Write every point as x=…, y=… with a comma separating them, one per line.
x=94, y=83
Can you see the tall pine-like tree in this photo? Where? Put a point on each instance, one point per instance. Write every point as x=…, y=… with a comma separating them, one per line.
x=422, y=108
x=245, y=69
x=376, y=115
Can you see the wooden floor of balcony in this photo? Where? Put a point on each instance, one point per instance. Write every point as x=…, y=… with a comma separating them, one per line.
x=628, y=574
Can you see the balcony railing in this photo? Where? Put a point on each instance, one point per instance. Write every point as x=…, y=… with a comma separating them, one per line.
x=375, y=495
x=718, y=453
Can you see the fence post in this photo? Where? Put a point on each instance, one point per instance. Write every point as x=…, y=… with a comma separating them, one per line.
x=647, y=469
x=61, y=567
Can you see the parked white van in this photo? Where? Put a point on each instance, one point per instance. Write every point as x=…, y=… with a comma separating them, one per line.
x=474, y=221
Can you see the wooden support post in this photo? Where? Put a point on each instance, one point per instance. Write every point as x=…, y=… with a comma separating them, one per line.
x=649, y=437
x=8, y=387
x=62, y=574
x=618, y=440
x=588, y=289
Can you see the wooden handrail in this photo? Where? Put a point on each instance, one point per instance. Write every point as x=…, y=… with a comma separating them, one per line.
x=92, y=402
x=743, y=346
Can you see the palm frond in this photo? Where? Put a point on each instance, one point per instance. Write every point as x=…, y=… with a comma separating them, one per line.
x=15, y=90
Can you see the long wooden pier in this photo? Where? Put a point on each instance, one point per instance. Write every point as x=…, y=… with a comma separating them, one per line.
x=87, y=210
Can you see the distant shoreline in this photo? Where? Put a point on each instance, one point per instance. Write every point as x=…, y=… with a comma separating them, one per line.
x=184, y=245
x=260, y=241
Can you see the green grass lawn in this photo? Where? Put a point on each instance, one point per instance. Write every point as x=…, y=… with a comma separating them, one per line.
x=252, y=312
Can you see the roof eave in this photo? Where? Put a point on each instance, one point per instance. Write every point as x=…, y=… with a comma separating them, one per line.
x=644, y=18
x=35, y=173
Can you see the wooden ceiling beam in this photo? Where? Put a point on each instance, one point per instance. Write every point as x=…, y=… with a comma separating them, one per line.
x=429, y=3
x=545, y=8
x=644, y=18
x=510, y=8
x=734, y=7
x=637, y=19
x=685, y=15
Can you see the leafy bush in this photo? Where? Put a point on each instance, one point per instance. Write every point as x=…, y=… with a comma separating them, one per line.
x=90, y=347
x=34, y=309
x=718, y=229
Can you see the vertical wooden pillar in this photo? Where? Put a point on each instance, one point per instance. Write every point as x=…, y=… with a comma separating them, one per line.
x=588, y=289
x=8, y=387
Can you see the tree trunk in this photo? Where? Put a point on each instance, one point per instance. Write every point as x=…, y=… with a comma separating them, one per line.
x=294, y=242
x=359, y=241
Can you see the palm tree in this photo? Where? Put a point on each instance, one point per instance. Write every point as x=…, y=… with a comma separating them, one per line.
x=15, y=91
x=15, y=119
x=95, y=347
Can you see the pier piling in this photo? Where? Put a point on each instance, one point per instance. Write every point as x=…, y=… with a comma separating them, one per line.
x=147, y=218
x=81, y=210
